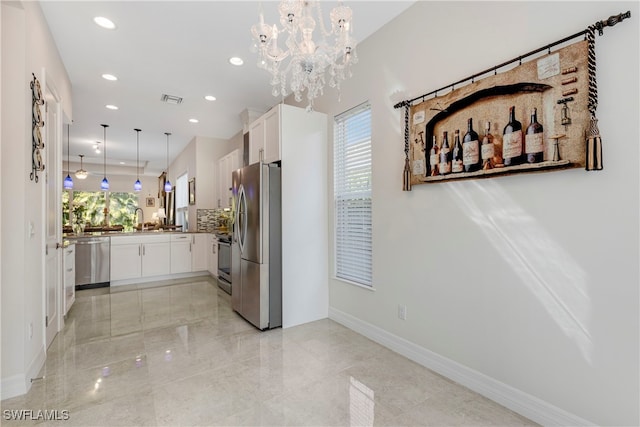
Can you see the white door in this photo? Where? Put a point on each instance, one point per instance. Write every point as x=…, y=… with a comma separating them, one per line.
x=53, y=214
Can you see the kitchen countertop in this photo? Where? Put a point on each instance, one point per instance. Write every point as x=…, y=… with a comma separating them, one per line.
x=73, y=236
x=116, y=233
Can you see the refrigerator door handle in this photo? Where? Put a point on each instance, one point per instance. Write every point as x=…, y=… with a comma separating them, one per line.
x=242, y=218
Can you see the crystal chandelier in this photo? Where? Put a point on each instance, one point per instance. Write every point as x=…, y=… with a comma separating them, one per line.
x=308, y=60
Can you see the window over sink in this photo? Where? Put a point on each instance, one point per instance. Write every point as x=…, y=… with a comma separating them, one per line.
x=88, y=207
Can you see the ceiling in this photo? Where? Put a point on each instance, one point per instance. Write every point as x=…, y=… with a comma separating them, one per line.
x=177, y=48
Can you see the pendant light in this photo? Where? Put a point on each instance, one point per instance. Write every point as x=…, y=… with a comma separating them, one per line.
x=104, y=186
x=137, y=186
x=167, y=184
x=81, y=173
x=68, y=182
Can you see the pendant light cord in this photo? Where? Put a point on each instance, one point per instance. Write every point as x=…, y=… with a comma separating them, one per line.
x=104, y=127
x=68, y=161
x=167, y=133
x=138, y=153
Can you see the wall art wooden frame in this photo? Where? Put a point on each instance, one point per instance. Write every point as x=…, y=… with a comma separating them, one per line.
x=560, y=84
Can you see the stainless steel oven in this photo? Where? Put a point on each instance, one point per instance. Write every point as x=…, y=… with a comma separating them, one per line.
x=224, y=263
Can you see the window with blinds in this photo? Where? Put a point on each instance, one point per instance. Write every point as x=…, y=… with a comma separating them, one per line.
x=352, y=195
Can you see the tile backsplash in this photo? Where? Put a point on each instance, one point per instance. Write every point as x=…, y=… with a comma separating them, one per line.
x=210, y=220
x=206, y=220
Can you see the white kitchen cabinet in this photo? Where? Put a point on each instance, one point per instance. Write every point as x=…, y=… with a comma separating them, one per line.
x=180, y=253
x=264, y=137
x=212, y=255
x=155, y=258
x=134, y=257
x=69, y=277
x=199, y=251
x=126, y=260
x=226, y=165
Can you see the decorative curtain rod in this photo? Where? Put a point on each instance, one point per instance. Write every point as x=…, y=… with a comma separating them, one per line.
x=610, y=22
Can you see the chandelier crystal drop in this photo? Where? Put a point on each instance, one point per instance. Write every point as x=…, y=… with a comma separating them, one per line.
x=305, y=62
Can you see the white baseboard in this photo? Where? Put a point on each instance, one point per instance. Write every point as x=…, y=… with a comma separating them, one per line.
x=36, y=365
x=12, y=386
x=518, y=401
x=20, y=384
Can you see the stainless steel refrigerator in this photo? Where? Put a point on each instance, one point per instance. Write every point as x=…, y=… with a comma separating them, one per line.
x=256, y=259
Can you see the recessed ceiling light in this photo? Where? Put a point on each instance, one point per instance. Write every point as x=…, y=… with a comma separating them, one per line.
x=234, y=60
x=122, y=163
x=109, y=77
x=194, y=120
x=210, y=98
x=111, y=107
x=104, y=22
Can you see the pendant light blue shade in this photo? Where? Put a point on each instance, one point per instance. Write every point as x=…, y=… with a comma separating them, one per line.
x=167, y=186
x=68, y=183
x=137, y=186
x=104, y=186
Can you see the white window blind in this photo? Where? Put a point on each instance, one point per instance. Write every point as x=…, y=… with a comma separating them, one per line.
x=352, y=195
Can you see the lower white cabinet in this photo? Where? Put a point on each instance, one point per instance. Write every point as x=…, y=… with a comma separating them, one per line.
x=69, y=277
x=139, y=256
x=180, y=253
x=199, y=251
x=155, y=258
x=126, y=260
x=212, y=255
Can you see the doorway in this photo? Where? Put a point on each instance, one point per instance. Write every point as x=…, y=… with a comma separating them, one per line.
x=53, y=213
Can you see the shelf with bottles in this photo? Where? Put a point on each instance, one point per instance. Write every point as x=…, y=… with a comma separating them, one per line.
x=518, y=149
x=527, y=167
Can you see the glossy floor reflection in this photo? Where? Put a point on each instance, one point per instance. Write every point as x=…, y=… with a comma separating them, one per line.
x=175, y=354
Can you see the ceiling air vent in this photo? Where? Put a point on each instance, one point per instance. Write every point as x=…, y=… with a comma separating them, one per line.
x=171, y=99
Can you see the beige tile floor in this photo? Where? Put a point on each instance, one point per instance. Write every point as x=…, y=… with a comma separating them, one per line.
x=175, y=354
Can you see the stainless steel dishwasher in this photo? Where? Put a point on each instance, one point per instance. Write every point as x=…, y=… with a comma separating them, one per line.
x=92, y=262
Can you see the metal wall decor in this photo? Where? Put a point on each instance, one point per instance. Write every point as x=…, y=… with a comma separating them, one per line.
x=37, y=165
x=558, y=87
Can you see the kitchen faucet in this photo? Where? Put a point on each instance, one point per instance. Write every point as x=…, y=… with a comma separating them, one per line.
x=141, y=215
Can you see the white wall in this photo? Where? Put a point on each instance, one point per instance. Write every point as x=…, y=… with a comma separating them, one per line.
x=199, y=159
x=27, y=47
x=209, y=151
x=528, y=282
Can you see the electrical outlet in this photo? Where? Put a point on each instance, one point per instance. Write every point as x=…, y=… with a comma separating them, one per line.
x=402, y=312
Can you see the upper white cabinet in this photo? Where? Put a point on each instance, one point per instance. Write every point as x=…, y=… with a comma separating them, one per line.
x=265, y=136
x=226, y=165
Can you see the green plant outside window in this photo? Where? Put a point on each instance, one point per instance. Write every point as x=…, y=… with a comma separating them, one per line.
x=122, y=209
x=88, y=207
